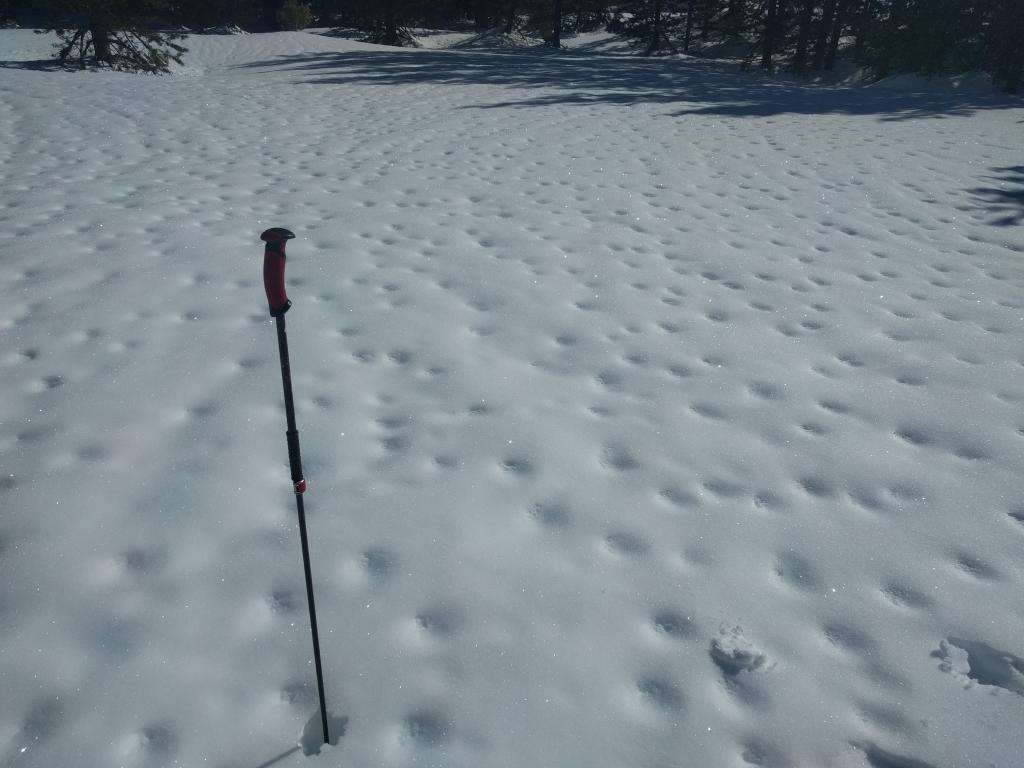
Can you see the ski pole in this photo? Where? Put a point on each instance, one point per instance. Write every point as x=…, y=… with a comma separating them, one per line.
x=277, y=298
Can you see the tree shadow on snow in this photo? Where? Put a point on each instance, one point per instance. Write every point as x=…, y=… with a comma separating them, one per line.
x=277, y=759
x=1006, y=199
x=38, y=65
x=312, y=740
x=695, y=86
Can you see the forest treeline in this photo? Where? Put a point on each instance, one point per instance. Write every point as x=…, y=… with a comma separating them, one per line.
x=801, y=36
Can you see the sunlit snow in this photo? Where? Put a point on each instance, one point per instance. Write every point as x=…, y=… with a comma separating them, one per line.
x=654, y=414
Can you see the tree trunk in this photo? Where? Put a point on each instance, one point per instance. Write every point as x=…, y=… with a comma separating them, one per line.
x=556, y=26
x=804, y=36
x=689, y=27
x=1013, y=76
x=270, y=9
x=737, y=9
x=708, y=8
x=863, y=30
x=390, y=24
x=510, y=18
x=1013, y=53
x=824, y=27
x=99, y=31
x=654, y=44
x=837, y=32
x=769, y=35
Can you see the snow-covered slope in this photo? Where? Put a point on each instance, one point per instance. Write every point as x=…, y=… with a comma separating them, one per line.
x=653, y=415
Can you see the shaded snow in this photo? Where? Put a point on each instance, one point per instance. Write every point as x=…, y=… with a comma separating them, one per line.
x=974, y=83
x=653, y=415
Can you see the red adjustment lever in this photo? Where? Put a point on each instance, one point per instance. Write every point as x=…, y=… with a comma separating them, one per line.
x=273, y=269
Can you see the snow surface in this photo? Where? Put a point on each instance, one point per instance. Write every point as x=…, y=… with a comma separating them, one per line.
x=654, y=415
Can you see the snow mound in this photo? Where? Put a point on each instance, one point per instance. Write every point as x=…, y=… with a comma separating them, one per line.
x=968, y=83
x=602, y=42
x=25, y=45
x=219, y=52
x=497, y=39
x=228, y=29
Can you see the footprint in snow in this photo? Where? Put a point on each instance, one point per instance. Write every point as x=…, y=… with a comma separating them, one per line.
x=400, y=356
x=670, y=623
x=158, y=740
x=618, y=458
x=880, y=758
x=152, y=744
x=889, y=718
x=817, y=486
x=797, y=571
x=905, y=597
x=428, y=727
x=551, y=514
x=974, y=662
x=42, y=720
x=298, y=693
x=661, y=693
x=765, y=390
x=439, y=621
x=625, y=543
x=379, y=563
x=724, y=489
x=517, y=465
x=848, y=638
x=974, y=567
x=677, y=497
x=139, y=562
x=759, y=753
x=733, y=654
x=282, y=601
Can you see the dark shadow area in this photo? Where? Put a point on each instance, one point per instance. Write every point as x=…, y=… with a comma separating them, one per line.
x=312, y=738
x=880, y=758
x=990, y=666
x=38, y=65
x=694, y=86
x=1006, y=199
x=345, y=33
x=274, y=760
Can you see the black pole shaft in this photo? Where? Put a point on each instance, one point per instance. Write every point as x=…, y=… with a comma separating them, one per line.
x=312, y=615
x=295, y=463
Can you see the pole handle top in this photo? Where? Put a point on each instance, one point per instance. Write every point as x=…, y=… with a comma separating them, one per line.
x=277, y=235
x=273, y=269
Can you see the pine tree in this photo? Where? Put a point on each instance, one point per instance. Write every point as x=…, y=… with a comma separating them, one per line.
x=772, y=33
x=116, y=34
x=294, y=15
x=511, y=12
x=806, y=17
x=656, y=23
x=1005, y=43
x=556, y=24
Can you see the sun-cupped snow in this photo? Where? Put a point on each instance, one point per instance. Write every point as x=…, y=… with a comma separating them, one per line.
x=653, y=414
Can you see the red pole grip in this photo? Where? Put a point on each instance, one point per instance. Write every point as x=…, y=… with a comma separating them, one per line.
x=273, y=269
